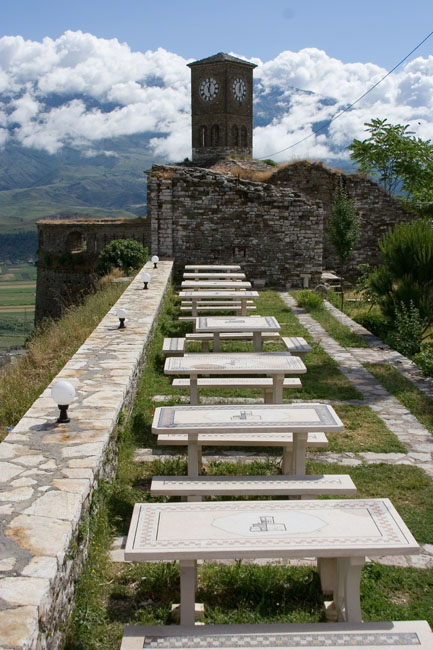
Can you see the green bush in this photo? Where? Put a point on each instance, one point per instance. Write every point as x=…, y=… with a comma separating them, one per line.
x=424, y=359
x=309, y=299
x=374, y=323
x=407, y=332
x=125, y=254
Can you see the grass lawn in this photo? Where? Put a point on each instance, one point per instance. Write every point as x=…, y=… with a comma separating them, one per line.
x=109, y=595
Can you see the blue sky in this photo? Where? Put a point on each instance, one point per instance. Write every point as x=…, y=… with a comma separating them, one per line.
x=377, y=31
x=119, y=68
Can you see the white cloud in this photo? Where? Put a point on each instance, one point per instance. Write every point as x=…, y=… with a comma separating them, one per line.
x=79, y=89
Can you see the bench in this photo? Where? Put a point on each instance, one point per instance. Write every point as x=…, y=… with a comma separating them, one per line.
x=398, y=635
x=175, y=347
x=316, y=439
x=188, y=303
x=296, y=345
x=205, y=337
x=229, y=306
x=306, y=486
x=240, y=382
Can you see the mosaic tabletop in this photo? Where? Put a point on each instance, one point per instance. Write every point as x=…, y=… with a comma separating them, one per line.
x=237, y=324
x=225, y=267
x=247, y=529
x=212, y=276
x=215, y=284
x=220, y=295
x=254, y=418
x=401, y=635
x=236, y=362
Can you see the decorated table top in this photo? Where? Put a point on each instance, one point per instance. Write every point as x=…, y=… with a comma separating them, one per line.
x=242, y=294
x=237, y=324
x=215, y=284
x=235, y=363
x=247, y=529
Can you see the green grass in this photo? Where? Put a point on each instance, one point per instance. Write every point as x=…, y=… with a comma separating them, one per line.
x=419, y=404
x=341, y=333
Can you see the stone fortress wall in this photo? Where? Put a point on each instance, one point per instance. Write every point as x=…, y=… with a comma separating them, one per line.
x=277, y=228
x=68, y=253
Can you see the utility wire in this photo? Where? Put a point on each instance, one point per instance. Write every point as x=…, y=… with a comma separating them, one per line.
x=328, y=122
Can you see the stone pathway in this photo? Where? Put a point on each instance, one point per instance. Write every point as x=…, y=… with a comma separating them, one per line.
x=417, y=440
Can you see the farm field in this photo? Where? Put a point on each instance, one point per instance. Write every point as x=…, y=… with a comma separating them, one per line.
x=17, y=304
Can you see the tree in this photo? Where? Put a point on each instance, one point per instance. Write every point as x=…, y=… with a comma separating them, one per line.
x=343, y=228
x=125, y=254
x=404, y=280
x=402, y=163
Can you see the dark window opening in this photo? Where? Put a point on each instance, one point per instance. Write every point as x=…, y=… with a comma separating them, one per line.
x=215, y=135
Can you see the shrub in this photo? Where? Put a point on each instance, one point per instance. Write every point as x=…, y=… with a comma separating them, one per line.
x=309, y=299
x=424, y=359
x=408, y=328
x=374, y=323
x=126, y=254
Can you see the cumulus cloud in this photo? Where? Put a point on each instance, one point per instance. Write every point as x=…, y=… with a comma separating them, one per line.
x=80, y=89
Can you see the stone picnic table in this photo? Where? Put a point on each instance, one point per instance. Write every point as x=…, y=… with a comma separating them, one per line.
x=213, y=275
x=227, y=268
x=236, y=297
x=341, y=532
x=234, y=285
x=295, y=420
x=272, y=364
x=257, y=325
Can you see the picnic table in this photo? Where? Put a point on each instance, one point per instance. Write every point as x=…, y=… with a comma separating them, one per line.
x=346, y=530
x=295, y=420
x=258, y=325
x=234, y=285
x=212, y=267
x=212, y=275
x=240, y=297
x=271, y=364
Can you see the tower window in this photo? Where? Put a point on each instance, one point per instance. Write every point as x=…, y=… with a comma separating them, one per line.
x=235, y=136
x=244, y=136
x=215, y=135
x=203, y=136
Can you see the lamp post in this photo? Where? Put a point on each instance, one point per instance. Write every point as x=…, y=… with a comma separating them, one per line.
x=146, y=279
x=63, y=393
x=155, y=260
x=121, y=315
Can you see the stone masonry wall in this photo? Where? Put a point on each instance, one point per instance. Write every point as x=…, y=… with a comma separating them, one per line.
x=68, y=252
x=203, y=216
x=48, y=472
x=377, y=209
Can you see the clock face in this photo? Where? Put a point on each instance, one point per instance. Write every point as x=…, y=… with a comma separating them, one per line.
x=239, y=89
x=208, y=89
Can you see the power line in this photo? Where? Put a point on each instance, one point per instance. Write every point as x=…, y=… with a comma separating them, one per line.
x=328, y=122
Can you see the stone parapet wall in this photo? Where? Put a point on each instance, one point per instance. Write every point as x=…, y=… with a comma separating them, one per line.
x=377, y=209
x=48, y=471
x=203, y=216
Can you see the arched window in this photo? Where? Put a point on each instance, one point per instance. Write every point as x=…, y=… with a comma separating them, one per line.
x=244, y=136
x=215, y=135
x=203, y=136
x=235, y=136
x=76, y=242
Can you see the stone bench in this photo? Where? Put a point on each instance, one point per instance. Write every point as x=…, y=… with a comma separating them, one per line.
x=316, y=439
x=296, y=345
x=305, y=486
x=240, y=382
x=174, y=347
x=400, y=635
x=188, y=303
x=205, y=338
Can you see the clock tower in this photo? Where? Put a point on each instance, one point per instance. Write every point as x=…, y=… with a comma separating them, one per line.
x=222, y=107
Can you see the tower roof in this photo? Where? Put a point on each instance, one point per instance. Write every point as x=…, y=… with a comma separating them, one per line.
x=221, y=57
